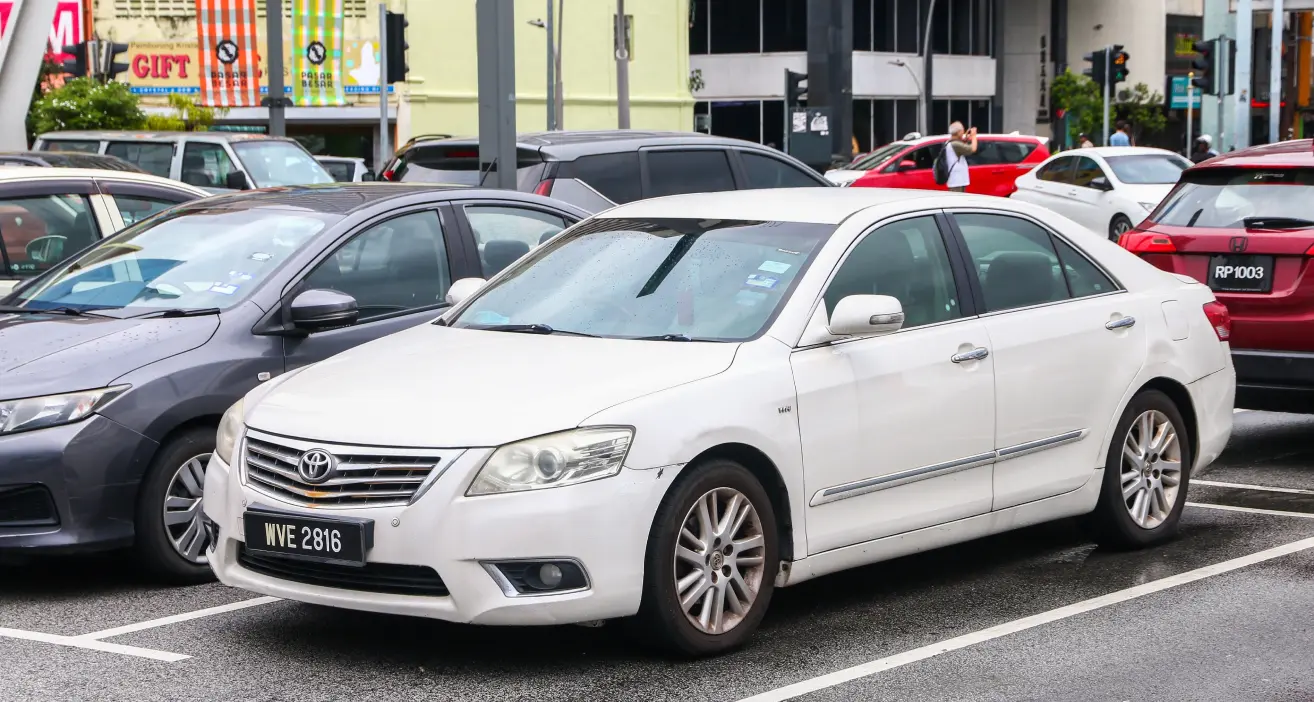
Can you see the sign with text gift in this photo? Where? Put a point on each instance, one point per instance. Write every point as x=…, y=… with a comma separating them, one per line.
x=227, y=53
x=317, y=53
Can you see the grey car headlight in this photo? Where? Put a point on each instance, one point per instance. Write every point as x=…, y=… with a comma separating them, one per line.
x=230, y=428
x=554, y=460
x=53, y=410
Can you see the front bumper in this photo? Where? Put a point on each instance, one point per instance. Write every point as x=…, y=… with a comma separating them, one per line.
x=87, y=471
x=602, y=524
x=1277, y=381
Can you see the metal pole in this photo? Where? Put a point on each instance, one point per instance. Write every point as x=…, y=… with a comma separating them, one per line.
x=561, y=86
x=1107, y=80
x=551, y=103
x=22, y=50
x=1220, y=70
x=1190, y=111
x=924, y=104
x=385, y=133
x=622, y=70
x=1275, y=75
x=274, y=41
x=495, y=49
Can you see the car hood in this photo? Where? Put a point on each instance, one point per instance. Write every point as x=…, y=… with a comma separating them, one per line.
x=49, y=354
x=434, y=386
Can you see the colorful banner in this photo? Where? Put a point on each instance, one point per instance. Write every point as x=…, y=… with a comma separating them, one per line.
x=66, y=30
x=165, y=67
x=317, y=53
x=228, y=62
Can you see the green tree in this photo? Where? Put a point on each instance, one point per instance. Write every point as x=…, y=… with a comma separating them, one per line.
x=188, y=117
x=1083, y=104
x=83, y=103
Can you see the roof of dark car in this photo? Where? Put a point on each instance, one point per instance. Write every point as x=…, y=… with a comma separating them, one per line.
x=73, y=159
x=576, y=143
x=347, y=198
x=1299, y=152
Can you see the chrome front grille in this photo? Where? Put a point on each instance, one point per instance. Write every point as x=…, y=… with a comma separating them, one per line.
x=362, y=477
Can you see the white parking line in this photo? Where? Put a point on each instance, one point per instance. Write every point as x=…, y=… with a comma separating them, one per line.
x=186, y=616
x=1252, y=510
x=1243, y=486
x=918, y=654
x=77, y=642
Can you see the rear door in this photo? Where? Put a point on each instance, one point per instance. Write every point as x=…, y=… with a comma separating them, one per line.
x=996, y=165
x=1050, y=185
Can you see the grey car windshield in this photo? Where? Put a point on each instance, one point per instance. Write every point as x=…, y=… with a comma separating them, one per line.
x=210, y=258
x=1148, y=169
x=272, y=163
x=715, y=280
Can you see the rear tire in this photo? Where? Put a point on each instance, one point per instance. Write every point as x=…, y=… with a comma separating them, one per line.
x=724, y=568
x=174, y=485
x=1146, y=475
x=1119, y=226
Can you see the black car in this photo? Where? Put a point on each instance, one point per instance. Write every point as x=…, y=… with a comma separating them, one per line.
x=66, y=159
x=624, y=165
x=117, y=364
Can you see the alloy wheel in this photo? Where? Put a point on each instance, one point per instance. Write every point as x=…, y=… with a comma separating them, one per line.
x=1121, y=227
x=182, y=510
x=720, y=559
x=1151, y=469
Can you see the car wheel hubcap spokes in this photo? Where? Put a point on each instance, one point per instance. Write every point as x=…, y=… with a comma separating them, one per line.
x=720, y=559
x=182, y=510
x=1151, y=469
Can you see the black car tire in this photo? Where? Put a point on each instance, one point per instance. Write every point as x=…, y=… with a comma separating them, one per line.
x=661, y=622
x=1112, y=520
x=154, y=549
x=1119, y=226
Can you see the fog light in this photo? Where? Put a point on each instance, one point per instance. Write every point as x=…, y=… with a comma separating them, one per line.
x=532, y=577
x=550, y=575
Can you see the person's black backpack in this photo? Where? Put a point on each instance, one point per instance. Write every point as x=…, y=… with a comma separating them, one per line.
x=940, y=169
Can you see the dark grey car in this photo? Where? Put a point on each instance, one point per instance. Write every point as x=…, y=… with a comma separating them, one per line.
x=116, y=365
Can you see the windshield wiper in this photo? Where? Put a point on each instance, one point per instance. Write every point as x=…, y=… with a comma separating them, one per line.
x=664, y=337
x=181, y=312
x=48, y=310
x=530, y=329
x=1277, y=223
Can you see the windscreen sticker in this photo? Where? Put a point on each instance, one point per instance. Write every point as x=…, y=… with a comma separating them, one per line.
x=261, y=256
x=490, y=317
x=223, y=289
x=761, y=281
x=749, y=298
x=774, y=267
x=791, y=253
x=239, y=275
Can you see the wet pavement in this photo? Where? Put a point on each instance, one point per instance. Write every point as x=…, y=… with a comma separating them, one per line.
x=1241, y=634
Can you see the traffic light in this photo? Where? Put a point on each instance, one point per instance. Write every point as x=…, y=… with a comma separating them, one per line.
x=114, y=67
x=1098, y=61
x=1118, y=64
x=396, y=42
x=1206, y=65
x=795, y=90
x=76, y=66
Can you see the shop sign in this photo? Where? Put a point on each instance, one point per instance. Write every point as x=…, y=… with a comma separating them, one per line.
x=65, y=30
x=170, y=67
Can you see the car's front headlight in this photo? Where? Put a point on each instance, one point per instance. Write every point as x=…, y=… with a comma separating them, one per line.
x=554, y=460
x=53, y=410
x=230, y=428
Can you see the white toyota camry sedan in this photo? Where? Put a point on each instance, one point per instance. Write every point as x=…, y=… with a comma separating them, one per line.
x=681, y=404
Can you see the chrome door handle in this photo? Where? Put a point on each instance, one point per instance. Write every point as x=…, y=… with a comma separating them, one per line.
x=1124, y=323
x=975, y=354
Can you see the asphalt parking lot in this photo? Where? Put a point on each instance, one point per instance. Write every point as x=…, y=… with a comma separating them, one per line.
x=1221, y=613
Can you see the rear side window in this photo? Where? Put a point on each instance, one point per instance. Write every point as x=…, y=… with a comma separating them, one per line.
x=1225, y=198
x=86, y=147
x=1057, y=171
x=616, y=176
x=766, y=172
x=992, y=152
x=152, y=158
x=678, y=172
x=458, y=164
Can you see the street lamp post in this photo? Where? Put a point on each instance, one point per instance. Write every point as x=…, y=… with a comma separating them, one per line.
x=921, y=122
x=923, y=115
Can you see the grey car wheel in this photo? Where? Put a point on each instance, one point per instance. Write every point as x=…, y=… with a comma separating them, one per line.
x=182, y=510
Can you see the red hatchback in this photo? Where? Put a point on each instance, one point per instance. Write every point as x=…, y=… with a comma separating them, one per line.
x=998, y=161
x=1243, y=223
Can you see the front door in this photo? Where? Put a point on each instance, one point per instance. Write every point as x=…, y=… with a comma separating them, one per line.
x=897, y=430
x=1066, y=346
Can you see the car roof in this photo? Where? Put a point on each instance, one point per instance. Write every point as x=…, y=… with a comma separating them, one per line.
x=347, y=198
x=1298, y=152
x=27, y=174
x=816, y=205
x=933, y=138
x=569, y=145
x=100, y=135
x=339, y=159
x=1107, y=151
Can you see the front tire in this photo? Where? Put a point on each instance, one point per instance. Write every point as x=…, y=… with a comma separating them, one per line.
x=1146, y=474
x=1119, y=226
x=170, y=539
x=711, y=562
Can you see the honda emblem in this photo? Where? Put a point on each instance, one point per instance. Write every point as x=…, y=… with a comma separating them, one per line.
x=1239, y=244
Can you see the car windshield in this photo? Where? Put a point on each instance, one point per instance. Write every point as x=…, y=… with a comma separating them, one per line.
x=1148, y=169
x=1224, y=198
x=877, y=157
x=207, y=258
x=271, y=163
x=714, y=280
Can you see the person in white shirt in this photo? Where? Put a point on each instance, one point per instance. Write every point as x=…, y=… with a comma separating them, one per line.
x=962, y=143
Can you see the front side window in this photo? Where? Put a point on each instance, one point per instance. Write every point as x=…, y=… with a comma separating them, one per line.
x=677, y=172
x=715, y=280
x=394, y=266
x=905, y=260
x=766, y=172
x=193, y=259
x=1149, y=169
x=1225, y=198
x=273, y=163
x=1014, y=260
x=1086, y=171
x=504, y=234
x=152, y=158
x=877, y=157
x=921, y=158
x=206, y=165
x=40, y=231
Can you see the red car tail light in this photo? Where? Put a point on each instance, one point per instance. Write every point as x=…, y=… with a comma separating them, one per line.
x=1141, y=242
x=544, y=188
x=1220, y=319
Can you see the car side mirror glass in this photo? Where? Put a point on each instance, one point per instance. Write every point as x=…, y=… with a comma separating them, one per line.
x=317, y=310
x=462, y=289
x=237, y=180
x=866, y=315
x=907, y=166
x=367, y=177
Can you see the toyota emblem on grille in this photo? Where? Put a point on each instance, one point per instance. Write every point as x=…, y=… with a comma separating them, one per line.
x=316, y=465
x=1239, y=244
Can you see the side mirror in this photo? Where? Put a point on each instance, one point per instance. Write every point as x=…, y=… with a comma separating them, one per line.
x=237, y=180
x=907, y=166
x=316, y=310
x=462, y=289
x=866, y=314
x=367, y=177
x=1101, y=183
